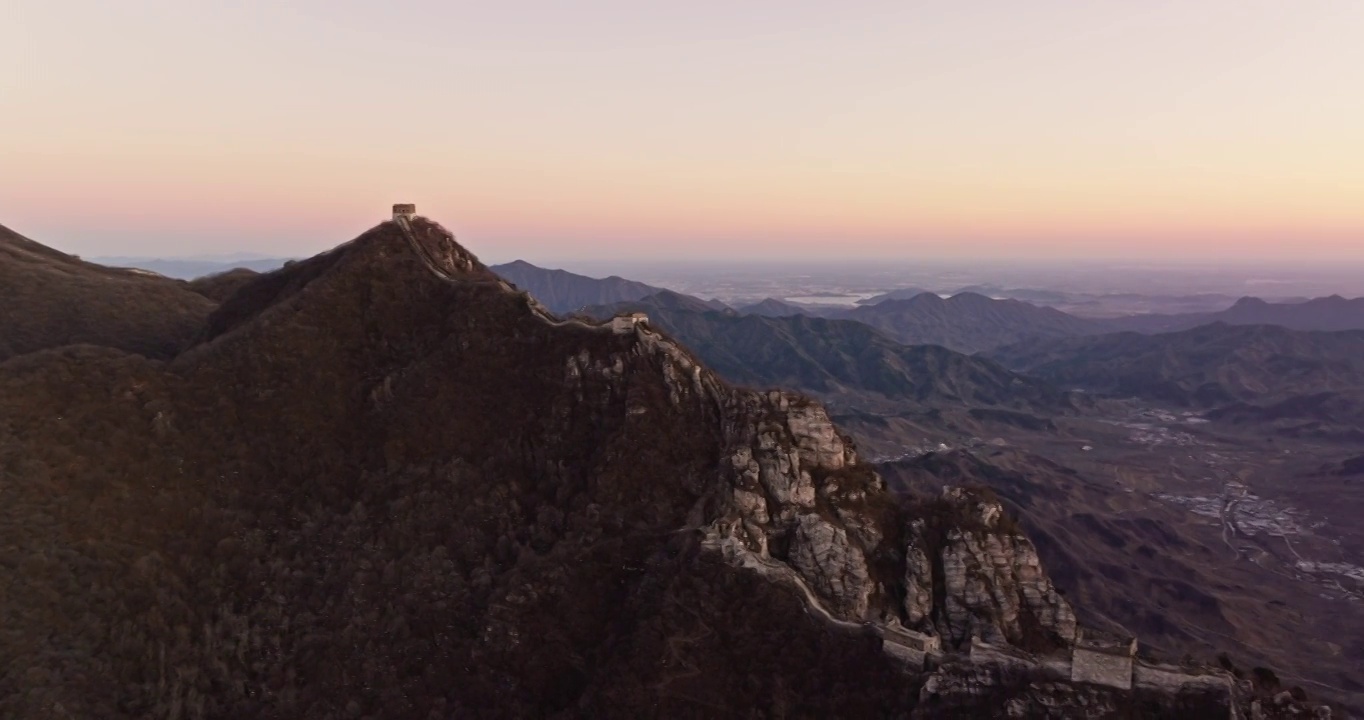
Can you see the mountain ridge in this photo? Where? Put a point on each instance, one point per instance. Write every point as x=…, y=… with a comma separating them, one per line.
x=563, y=291
x=966, y=322
x=839, y=360
x=1329, y=313
x=1204, y=366
x=54, y=299
x=387, y=484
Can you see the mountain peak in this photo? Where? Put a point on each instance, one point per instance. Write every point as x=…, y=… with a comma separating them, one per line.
x=437, y=248
x=399, y=257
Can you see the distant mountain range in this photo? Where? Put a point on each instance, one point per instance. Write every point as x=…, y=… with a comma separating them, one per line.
x=898, y=294
x=772, y=307
x=1083, y=304
x=1326, y=313
x=1208, y=366
x=872, y=350
x=974, y=319
x=839, y=359
x=967, y=322
x=970, y=322
x=563, y=291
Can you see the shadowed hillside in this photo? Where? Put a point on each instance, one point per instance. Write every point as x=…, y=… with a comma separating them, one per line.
x=50, y=299
x=967, y=322
x=563, y=291
x=840, y=360
x=1203, y=367
x=220, y=286
x=1325, y=313
x=385, y=485
x=771, y=307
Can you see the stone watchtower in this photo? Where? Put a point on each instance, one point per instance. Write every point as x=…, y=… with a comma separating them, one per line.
x=625, y=324
x=404, y=211
x=1103, y=658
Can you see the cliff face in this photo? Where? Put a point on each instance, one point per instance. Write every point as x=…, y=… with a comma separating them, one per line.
x=386, y=485
x=992, y=582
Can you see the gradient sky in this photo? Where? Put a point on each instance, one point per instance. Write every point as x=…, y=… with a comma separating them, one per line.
x=1172, y=129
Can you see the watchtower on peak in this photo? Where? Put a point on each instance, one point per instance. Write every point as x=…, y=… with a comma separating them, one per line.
x=625, y=324
x=404, y=211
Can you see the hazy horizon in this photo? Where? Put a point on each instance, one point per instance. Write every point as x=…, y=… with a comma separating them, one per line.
x=740, y=278
x=610, y=131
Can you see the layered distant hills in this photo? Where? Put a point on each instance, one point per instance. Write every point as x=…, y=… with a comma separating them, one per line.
x=1297, y=382
x=772, y=307
x=970, y=322
x=1206, y=366
x=910, y=350
x=967, y=322
x=1326, y=313
x=839, y=359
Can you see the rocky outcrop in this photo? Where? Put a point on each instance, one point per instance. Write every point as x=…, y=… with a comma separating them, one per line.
x=783, y=447
x=818, y=441
x=918, y=605
x=832, y=564
x=798, y=496
x=992, y=582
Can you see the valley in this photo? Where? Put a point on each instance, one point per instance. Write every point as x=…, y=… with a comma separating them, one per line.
x=1192, y=487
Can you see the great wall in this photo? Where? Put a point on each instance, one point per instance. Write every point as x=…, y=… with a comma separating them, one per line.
x=1090, y=657
x=404, y=213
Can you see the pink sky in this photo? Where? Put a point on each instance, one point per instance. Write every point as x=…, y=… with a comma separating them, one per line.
x=549, y=130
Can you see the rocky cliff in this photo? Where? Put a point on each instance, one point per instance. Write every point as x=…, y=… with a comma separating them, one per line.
x=992, y=585
x=385, y=484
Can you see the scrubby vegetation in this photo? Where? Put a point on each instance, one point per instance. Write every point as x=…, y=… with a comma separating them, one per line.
x=365, y=494
x=218, y=287
x=52, y=299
